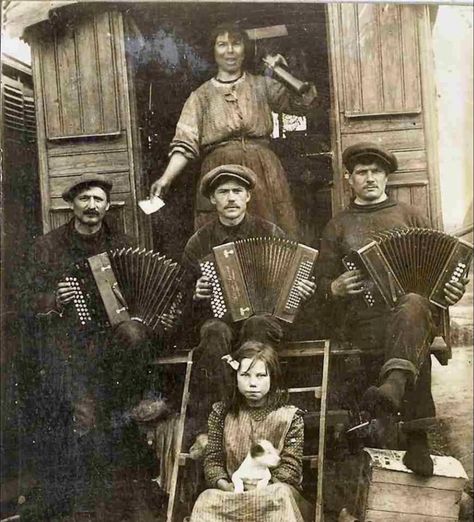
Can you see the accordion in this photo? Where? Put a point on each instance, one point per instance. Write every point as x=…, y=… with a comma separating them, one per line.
x=126, y=284
x=257, y=275
x=418, y=260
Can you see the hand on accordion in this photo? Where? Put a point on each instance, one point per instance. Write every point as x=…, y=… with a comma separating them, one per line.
x=348, y=283
x=170, y=320
x=65, y=293
x=203, y=289
x=454, y=290
x=306, y=289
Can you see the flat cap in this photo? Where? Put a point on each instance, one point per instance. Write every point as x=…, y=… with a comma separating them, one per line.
x=238, y=172
x=86, y=179
x=353, y=154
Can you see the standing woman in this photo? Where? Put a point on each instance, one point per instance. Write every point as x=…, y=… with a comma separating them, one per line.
x=228, y=120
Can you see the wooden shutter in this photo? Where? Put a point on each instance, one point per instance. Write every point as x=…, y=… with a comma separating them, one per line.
x=86, y=115
x=384, y=93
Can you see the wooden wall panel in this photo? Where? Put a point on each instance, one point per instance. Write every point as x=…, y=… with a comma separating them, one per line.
x=378, y=57
x=86, y=115
x=79, y=79
x=380, y=63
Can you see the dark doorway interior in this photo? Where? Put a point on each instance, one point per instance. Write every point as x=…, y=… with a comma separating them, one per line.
x=173, y=57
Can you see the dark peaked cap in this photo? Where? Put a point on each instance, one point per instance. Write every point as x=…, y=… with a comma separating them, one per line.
x=353, y=154
x=238, y=172
x=86, y=179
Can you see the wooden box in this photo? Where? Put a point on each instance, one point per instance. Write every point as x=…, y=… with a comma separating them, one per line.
x=388, y=491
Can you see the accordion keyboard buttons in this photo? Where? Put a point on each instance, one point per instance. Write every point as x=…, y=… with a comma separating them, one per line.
x=458, y=272
x=304, y=271
x=218, y=305
x=79, y=301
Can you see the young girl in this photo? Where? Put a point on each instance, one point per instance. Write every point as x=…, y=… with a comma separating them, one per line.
x=257, y=410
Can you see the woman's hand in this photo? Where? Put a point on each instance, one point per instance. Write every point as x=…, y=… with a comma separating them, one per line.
x=203, y=290
x=177, y=163
x=272, y=60
x=159, y=187
x=225, y=485
x=348, y=283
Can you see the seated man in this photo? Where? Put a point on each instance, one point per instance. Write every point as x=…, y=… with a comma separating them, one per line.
x=86, y=378
x=403, y=334
x=228, y=187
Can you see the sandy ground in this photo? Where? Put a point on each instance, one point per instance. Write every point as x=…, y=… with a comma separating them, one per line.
x=453, y=393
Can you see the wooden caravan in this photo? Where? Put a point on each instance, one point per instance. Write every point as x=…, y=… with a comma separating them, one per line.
x=111, y=79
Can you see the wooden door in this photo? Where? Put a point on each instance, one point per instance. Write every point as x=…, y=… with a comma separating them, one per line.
x=383, y=92
x=86, y=113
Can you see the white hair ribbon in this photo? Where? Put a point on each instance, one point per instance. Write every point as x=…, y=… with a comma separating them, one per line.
x=231, y=362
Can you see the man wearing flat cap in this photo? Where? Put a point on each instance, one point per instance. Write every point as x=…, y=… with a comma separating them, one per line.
x=85, y=377
x=229, y=189
x=399, y=379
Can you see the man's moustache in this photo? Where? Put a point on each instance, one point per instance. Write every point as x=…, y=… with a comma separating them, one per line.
x=92, y=213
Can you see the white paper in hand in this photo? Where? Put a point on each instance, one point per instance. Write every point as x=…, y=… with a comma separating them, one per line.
x=151, y=205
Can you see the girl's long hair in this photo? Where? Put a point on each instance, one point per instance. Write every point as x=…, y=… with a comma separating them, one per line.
x=257, y=351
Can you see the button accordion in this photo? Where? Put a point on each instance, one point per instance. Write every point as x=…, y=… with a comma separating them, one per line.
x=258, y=275
x=126, y=284
x=417, y=260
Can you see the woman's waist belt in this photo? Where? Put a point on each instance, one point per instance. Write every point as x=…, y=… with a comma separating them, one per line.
x=243, y=140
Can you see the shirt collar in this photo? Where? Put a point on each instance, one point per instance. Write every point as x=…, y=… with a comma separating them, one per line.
x=225, y=234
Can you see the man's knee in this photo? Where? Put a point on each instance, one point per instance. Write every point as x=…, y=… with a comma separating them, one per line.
x=414, y=300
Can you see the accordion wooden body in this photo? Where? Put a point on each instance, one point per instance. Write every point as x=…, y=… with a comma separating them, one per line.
x=258, y=275
x=126, y=284
x=417, y=260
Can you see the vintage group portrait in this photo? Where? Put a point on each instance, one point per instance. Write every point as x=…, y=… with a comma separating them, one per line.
x=236, y=246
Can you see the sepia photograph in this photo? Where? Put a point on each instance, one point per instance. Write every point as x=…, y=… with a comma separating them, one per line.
x=236, y=261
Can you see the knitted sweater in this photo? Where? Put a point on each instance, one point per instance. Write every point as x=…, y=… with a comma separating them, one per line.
x=350, y=230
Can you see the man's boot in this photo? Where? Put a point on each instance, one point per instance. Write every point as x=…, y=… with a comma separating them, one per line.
x=417, y=457
x=387, y=398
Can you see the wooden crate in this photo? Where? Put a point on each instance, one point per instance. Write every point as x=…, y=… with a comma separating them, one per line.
x=388, y=491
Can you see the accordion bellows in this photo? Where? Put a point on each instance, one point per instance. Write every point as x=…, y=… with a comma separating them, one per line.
x=258, y=275
x=127, y=283
x=418, y=260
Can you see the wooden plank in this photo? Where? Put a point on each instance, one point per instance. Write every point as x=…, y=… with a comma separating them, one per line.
x=118, y=143
x=393, y=139
x=413, y=500
x=411, y=160
x=89, y=77
x=319, y=515
x=106, y=37
x=419, y=199
x=179, y=439
x=430, y=120
x=401, y=194
x=350, y=50
x=37, y=69
x=410, y=56
x=410, y=479
x=58, y=184
x=399, y=122
x=100, y=161
x=46, y=67
x=385, y=516
x=368, y=36
x=68, y=75
x=392, y=76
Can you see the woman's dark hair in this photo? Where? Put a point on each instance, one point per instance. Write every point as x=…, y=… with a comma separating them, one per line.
x=235, y=32
x=257, y=351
